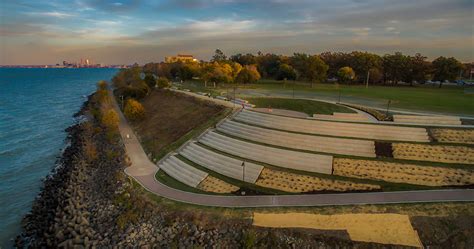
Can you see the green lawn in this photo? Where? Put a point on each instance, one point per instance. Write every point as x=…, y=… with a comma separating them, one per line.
x=309, y=107
x=449, y=99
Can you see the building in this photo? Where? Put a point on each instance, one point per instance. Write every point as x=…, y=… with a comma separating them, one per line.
x=180, y=57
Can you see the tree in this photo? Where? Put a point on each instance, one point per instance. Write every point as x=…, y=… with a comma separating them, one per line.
x=335, y=61
x=247, y=59
x=110, y=119
x=286, y=72
x=217, y=72
x=311, y=68
x=396, y=67
x=163, y=83
x=362, y=62
x=346, y=74
x=446, y=69
x=248, y=74
x=102, y=85
x=150, y=80
x=134, y=110
x=418, y=69
x=219, y=56
x=269, y=64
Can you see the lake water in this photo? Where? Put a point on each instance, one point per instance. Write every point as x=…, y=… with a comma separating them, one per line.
x=36, y=106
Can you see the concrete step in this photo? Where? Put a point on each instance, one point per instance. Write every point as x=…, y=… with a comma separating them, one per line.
x=278, y=157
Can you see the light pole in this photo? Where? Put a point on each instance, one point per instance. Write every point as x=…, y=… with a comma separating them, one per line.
x=368, y=75
x=294, y=82
x=388, y=106
x=234, y=96
x=243, y=171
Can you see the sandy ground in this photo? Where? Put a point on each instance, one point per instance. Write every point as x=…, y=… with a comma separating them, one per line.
x=392, y=229
x=402, y=173
x=282, y=112
x=434, y=153
x=212, y=184
x=296, y=183
x=453, y=135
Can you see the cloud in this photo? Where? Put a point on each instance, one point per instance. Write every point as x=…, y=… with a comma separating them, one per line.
x=51, y=14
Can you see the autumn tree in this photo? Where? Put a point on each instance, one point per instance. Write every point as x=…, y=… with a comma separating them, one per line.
x=346, y=74
x=134, y=110
x=248, y=74
x=110, y=119
x=163, y=83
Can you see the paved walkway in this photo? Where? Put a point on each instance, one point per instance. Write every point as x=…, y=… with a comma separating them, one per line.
x=143, y=171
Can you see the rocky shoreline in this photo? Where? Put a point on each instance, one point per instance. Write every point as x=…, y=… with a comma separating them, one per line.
x=88, y=202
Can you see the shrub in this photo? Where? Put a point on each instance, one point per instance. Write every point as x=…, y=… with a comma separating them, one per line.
x=134, y=110
x=110, y=119
x=102, y=85
x=163, y=83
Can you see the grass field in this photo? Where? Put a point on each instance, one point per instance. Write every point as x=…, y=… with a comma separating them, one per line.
x=309, y=107
x=448, y=99
x=172, y=119
x=421, y=97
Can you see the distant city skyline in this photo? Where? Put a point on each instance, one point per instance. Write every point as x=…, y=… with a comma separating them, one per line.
x=129, y=31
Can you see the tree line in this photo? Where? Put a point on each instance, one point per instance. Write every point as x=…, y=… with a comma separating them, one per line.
x=350, y=68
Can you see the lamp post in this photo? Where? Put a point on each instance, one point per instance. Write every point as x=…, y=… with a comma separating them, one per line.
x=388, y=106
x=234, y=96
x=243, y=171
x=294, y=82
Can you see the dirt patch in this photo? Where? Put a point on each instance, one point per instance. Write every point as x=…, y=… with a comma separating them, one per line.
x=214, y=185
x=453, y=135
x=296, y=183
x=171, y=115
x=402, y=173
x=434, y=153
x=392, y=229
x=445, y=232
x=383, y=149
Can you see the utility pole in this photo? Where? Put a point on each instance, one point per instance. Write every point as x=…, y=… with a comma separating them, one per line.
x=388, y=106
x=368, y=75
x=294, y=82
x=234, y=97
x=339, y=99
x=243, y=171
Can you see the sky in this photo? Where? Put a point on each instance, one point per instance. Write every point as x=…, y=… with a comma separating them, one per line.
x=129, y=31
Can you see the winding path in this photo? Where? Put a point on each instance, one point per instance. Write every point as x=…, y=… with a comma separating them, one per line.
x=143, y=171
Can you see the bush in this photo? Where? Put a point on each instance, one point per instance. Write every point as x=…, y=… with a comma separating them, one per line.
x=102, y=85
x=163, y=83
x=110, y=119
x=134, y=110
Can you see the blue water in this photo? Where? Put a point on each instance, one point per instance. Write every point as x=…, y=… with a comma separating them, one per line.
x=36, y=105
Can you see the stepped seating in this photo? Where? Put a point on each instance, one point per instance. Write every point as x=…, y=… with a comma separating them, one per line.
x=221, y=164
x=418, y=119
x=341, y=146
x=339, y=116
x=182, y=171
x=367, y=131
x=278, y=157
